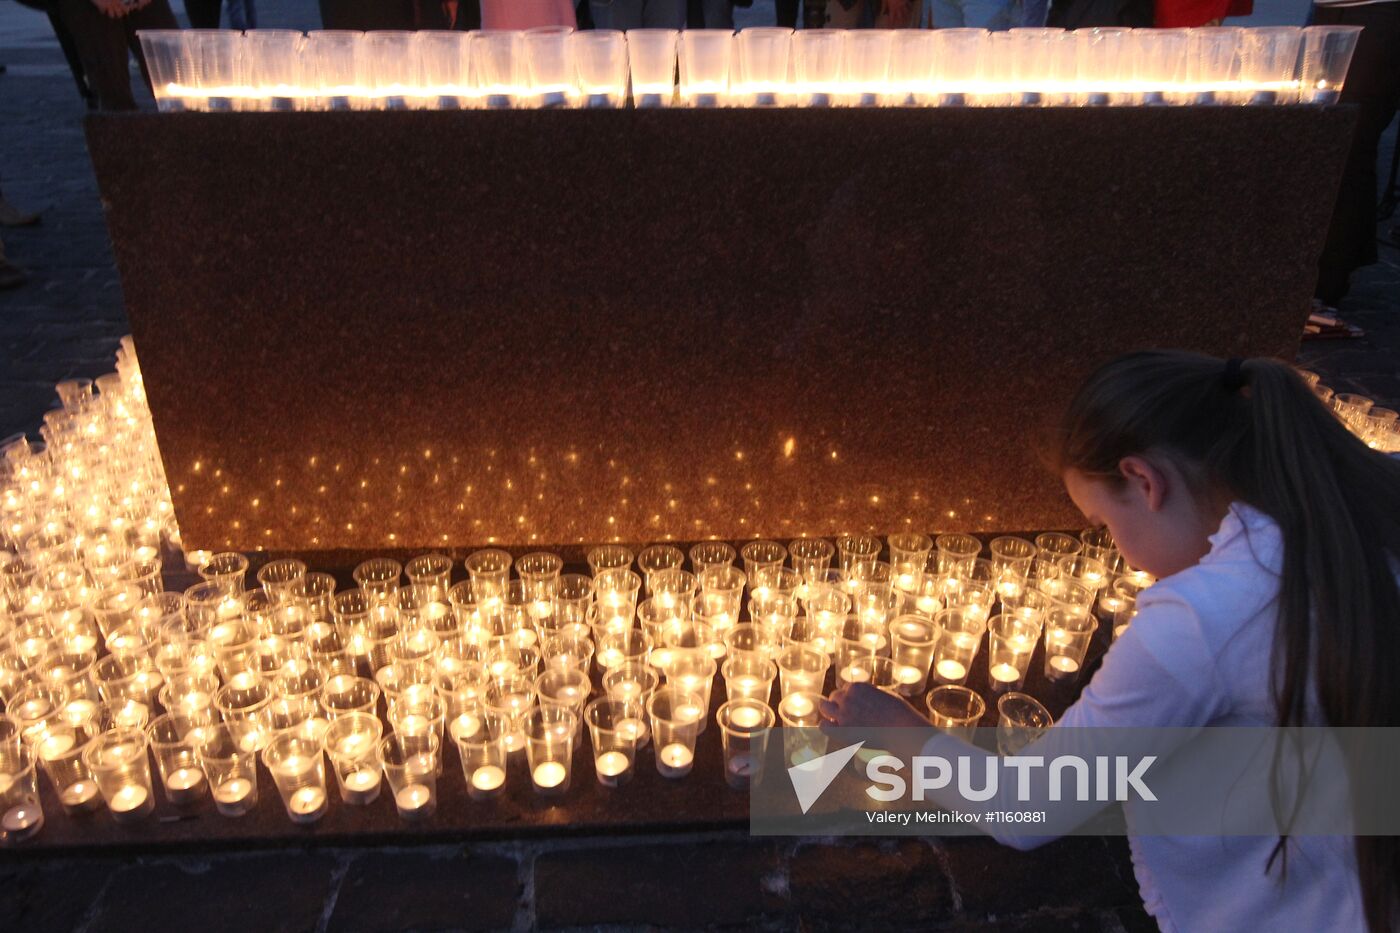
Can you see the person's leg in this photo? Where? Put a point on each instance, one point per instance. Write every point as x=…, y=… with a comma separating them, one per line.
x=237, y=14
x=844, y=14
x=203, y=14
x=101, y=44
x=616, y=14
x=1372, y=84
x=719, y=14
x=154, y=15
x=947, y=14
x=663, y=14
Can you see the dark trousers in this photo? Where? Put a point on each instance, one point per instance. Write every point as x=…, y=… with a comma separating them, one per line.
x=787, y=13
x=203, y=14
x=1373, y=85
x=103, y=43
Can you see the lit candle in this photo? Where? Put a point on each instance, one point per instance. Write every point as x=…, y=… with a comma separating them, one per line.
x=854, y=674
x=746, y=717
x=415, y=802
x=613, y=768
x=675, y=760
x=635, y=729
x=307, y=804
x=745, y=685
x=56, y=744
x=798, y=706
x=549, y=776
x=1005, y=673
x=184, y=786
x=131, y=802
x=464, y=726
x=908, y=675
x=414, y=724
x=132, y=715
x=234, y=797
x=487, y=781
x=80, y=796
x=927, y=605
x=361, y=787
x=1064, y=665
x=950, y=669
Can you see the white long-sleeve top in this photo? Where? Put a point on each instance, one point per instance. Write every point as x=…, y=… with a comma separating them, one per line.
x=1197, y=654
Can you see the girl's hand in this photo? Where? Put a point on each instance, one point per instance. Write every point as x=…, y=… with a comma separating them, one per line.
x=864, y=705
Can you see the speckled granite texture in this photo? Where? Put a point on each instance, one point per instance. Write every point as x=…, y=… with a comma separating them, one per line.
x=366, y=330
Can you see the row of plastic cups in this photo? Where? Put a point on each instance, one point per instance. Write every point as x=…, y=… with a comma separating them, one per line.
x=557, y=67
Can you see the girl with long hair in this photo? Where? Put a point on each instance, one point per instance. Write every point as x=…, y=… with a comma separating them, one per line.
x=1275, y=537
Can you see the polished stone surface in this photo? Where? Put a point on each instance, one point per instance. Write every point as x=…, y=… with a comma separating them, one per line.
x=371, y=330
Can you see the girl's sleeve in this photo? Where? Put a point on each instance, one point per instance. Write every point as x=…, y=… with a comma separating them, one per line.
x=1158, y=674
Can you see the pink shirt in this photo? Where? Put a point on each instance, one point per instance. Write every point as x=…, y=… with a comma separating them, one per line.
x=526, y=14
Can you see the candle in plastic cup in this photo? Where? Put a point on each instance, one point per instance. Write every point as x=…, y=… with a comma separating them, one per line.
x=960, y=636
x=176, y=762
x=21, y=814
x=549, y=731
x=651, y=60
x=1011, y=640
x=231, y=770
x=803, y=739
x=411, y=765
x=119, y=763
x=802, y=670
x=675, y=724
x=612, y=726
x=744, y=726
x=705, y=56
x=749, y=678
x=483, y=760
x=298, y=767
x=352, y=744
x=1067, y=637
